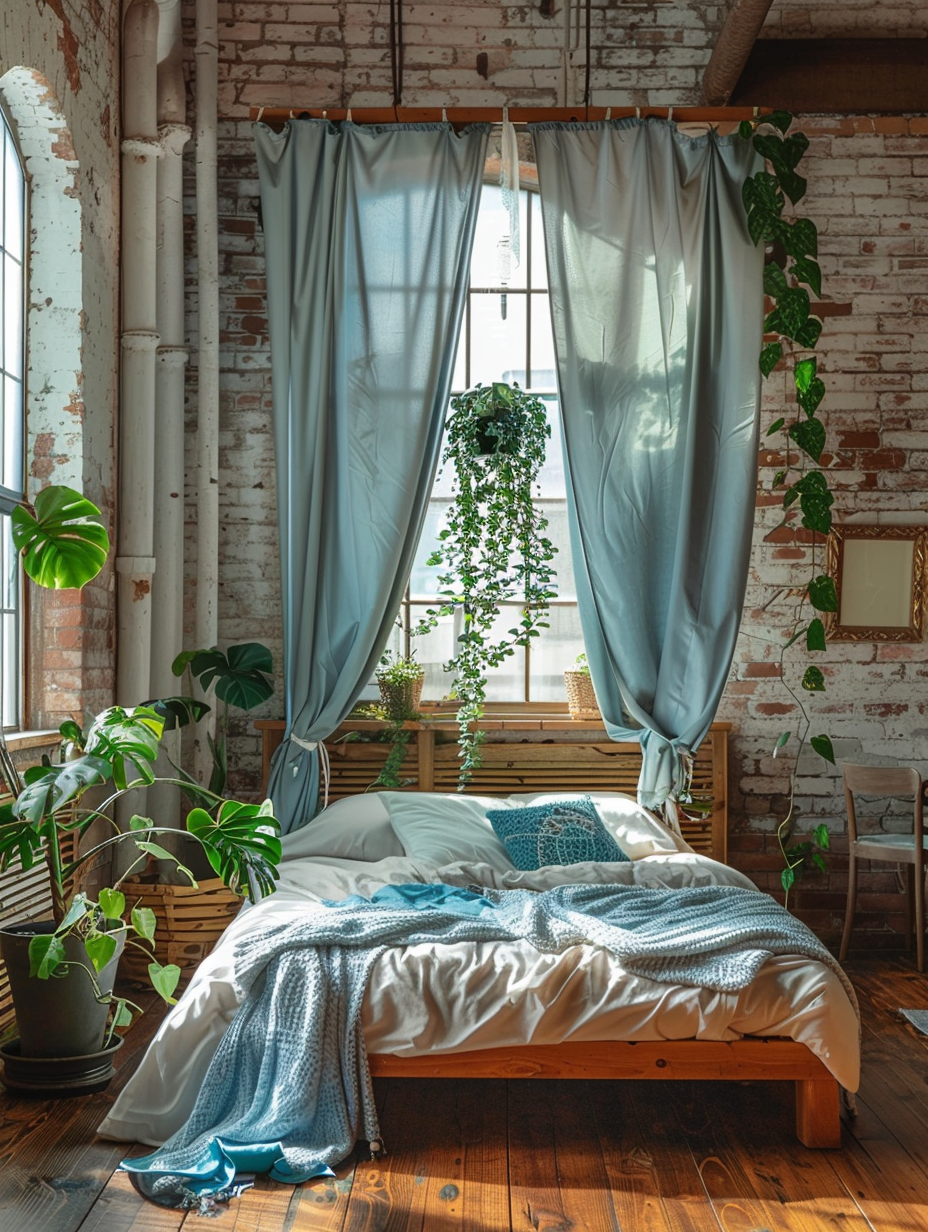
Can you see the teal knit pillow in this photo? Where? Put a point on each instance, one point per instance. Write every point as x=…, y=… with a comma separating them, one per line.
x=562, y=832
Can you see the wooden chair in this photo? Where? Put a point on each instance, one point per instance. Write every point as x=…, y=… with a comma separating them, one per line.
x=908, y=849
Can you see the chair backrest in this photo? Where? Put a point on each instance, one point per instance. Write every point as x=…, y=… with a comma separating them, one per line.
x=881, y=781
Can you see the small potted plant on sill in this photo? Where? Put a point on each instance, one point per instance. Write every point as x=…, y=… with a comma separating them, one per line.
x=61, y=971
x=581, y=698
x=400, y=679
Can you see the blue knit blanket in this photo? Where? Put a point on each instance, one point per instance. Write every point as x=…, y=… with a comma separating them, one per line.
x=289, y=1091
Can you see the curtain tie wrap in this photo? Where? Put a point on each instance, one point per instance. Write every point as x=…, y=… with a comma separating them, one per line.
x=316, y=746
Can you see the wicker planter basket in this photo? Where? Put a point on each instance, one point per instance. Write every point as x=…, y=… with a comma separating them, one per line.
x=401, y=699
x=190, y=922
x=581, y=700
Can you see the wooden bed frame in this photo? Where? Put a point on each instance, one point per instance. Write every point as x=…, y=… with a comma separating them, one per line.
x=524, y=751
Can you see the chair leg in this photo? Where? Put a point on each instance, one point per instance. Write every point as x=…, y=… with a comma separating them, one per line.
x=910, y=903
x=851, y=906
x=920, y=915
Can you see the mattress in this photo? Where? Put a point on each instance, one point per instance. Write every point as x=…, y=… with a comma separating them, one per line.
x=429, y=998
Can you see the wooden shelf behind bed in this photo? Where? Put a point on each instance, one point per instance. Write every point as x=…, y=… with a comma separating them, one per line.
x=536, y=749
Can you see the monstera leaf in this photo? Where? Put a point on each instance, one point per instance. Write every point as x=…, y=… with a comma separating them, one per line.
x=63, y=544
x=242, y=844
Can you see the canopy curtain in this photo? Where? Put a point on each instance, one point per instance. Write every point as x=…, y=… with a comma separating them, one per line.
x=368, y=234
x=657, y=310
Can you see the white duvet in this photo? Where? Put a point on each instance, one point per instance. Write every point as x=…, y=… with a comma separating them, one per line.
x=450, y=998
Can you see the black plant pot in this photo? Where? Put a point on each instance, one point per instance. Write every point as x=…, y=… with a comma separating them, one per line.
x=57, y=1077
x=59, y=1017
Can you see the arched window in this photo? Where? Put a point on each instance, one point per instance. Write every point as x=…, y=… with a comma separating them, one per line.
x=505, y=336
x=12, y=371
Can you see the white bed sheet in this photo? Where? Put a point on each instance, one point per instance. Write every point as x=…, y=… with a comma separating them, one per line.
x=427, y=999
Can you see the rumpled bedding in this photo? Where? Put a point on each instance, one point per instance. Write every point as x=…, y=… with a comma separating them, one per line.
x=291, y=1072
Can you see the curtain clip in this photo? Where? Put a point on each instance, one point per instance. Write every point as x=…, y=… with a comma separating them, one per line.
x=669, y=114
x=608, y=114
x=348, y=115
x=260, y=114
x=444, y=115
x=637, y=113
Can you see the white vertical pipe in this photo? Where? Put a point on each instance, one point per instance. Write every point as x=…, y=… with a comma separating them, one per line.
x=207, y=192
x=141, y=150
x=168, y=537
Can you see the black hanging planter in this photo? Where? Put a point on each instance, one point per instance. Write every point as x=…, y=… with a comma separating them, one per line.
x=61, y=1025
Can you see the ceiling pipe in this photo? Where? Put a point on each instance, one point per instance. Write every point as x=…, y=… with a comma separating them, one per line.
x=207, y=233
x=141, y=150
x=736, y=39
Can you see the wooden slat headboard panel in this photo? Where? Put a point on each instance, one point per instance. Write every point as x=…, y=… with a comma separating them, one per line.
x=524, y=756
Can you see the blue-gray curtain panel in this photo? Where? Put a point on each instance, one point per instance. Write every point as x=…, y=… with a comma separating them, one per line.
x=368, y=234
x=657, y=309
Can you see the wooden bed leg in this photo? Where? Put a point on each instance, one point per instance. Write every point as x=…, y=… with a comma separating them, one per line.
x=818, y=1112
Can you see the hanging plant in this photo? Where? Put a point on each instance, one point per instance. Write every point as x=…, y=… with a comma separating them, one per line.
x=791, y=272
x=493, y=550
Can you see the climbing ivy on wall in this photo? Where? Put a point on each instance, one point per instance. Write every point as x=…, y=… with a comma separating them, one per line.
x=791, y=272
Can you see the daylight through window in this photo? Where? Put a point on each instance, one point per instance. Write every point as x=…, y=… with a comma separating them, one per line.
x=12, y=365
x=505, y=336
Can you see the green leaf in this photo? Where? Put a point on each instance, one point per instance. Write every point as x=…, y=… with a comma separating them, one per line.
x=240, y=675
x=788, y=879
x=823, y=747
x=792, y=309
x=804, y=373
x=774, y=280
x=100, y=949
x=78, y=909
x=800, y=238
x=815, y=635
x=179, y=711
x=164, y=980
x=241, y=843
x=778, y=479
x=112, y=903
x=123, y=1015
x=791, y=641
x=745, y=129
x=819, y=861
x=770, y=356
x=140, y=823
x=58, y=786
x=804, y=269
x=144, y=921
x=782, y=741
x=809, y=399
x=46, y=953
x=64, y=545
x=161, y=853
x=815, y=501
x=776, y=426
x=809, y=436
x=779, y=119
x=179, y=666
x=820, y=834
x=822, y=594
x=809, y=332
x=814, y=680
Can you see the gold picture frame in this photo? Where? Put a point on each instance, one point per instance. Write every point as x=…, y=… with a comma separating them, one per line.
x=879, y=575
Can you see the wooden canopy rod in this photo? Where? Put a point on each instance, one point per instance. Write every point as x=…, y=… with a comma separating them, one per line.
x=459, y=116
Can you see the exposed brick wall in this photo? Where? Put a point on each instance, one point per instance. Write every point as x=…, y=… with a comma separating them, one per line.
x=70, y=49
x=868, y=192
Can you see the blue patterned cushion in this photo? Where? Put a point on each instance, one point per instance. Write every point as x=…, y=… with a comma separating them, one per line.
x=563, y=832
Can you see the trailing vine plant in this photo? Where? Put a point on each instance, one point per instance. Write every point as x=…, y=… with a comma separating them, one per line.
x=492, y=550
x=793, y=271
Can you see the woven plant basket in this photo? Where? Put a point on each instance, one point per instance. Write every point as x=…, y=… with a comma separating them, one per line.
x=190, y=920
x=581, y=700
x=400, y=700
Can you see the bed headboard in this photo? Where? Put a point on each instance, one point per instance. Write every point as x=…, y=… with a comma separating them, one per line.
x=524, y=753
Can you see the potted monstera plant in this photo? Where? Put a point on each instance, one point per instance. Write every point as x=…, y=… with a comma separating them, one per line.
x=62, y=970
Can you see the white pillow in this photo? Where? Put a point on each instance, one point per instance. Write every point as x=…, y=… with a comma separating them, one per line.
x=637, y=831
x=441, y=828
x=357, y=828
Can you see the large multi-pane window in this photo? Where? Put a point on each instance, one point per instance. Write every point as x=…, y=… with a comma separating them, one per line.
x=12, y=366
x=505, y=336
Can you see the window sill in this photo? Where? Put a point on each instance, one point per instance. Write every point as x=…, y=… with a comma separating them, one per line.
x=17, y=740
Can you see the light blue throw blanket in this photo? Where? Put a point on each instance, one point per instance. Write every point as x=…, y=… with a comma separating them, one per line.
x=289, y=1092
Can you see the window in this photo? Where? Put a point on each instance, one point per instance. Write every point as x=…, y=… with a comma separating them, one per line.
x=505, y=336
x=12, y=364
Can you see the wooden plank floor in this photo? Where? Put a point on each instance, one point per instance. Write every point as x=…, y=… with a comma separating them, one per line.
x=543, y=1156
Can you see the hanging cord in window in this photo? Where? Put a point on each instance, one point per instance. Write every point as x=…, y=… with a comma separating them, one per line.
x=508, y=249
x=396, y=51
x=589, y=43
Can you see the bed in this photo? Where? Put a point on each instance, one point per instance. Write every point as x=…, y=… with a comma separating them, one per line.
x=492, y=1009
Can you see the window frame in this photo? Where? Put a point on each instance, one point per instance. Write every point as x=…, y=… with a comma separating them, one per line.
x=407, y=618
x=11, y=498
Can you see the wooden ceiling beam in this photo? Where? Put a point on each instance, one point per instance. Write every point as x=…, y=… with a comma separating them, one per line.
x=836, y=76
